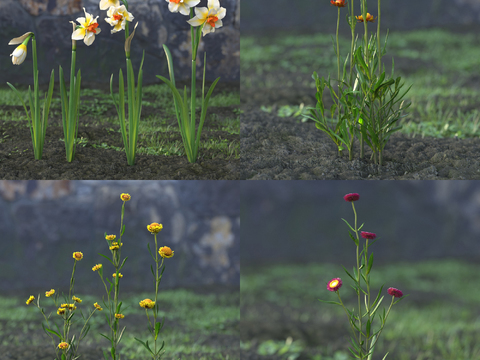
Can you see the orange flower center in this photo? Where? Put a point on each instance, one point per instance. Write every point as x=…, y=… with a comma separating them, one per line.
x=176, y=1
x=211, y=20
x=92, y=27
x=117, y=17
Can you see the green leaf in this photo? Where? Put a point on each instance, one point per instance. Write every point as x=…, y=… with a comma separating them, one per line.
x=158, y=326
x=123, y=263
x=329, y=302
x=150, y=251
x=106, y=337
x=106, y=257
x=370, y=263
x=145, y=345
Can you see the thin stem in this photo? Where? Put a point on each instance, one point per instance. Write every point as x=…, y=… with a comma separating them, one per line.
x=352, y=27
x=338, y=48
x=348, y=314
x=378, y=43
x=383, y=324
x=359, y=285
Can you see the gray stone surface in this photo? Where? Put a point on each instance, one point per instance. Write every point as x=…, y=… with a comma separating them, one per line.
x=43, y=222
x=314, y=15
x=49, y=20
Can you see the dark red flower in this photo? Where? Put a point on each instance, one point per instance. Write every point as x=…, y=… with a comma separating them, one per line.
x=338, y=3
x=395, y=292
x=351, y=197
x=334, y=284
x=368, y=235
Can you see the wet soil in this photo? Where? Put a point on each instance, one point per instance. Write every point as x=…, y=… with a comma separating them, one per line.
x=280, y=148
x=95, y=162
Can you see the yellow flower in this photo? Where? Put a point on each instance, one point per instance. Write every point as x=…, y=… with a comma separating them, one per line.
x=87, y=29
x=78, y=256
x=30, y=300
x=69, y=306
x=369, y=18
x=117, y=17
x=119, y=275
x=119, y=316
x=98, y=307
x=182, y=6
x=63, y=345
x=210, y=17
x=155, y=228
x=61, y=311
x=165, y=252
x=49, y=293
x=105, y=4
x=76, y=299
x=114, y=246
x=147, y=304
x=110, y=237
x=19, y=54
x=125, y=197
x=97, y=267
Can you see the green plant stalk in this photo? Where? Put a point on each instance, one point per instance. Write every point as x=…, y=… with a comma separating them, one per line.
x=157, y=284
x=352, y=28
x=338, y=71
x=379, y=50
x=358, y=282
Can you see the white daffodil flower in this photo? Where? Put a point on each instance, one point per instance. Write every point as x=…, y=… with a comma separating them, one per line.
x=19, y=54
x=182, y=6
x=117, y=17
x=210, y=17
x=87, y=29
x=105, y=4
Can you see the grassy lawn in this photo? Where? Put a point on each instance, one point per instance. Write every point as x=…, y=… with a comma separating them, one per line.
x=441, y=65
x=438, y=320
x=197, y=326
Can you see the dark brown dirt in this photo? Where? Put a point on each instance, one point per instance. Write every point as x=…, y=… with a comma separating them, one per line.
x=17, y=160
x=278, y=148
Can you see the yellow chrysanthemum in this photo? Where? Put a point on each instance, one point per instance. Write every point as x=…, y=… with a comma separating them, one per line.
x=119, y=275
x=61, y=311
x=30, y=299
x=110, y=237
x=165, y=252
x=147, y=304
x=119, y=316
x=78, y=256
x=114, y=247
x=125, y=197
x=155, y=228
x=63, y=345
x=69, y=306
x=49, y=293
x=98, y=307
x=76, y=299
x=97, y=267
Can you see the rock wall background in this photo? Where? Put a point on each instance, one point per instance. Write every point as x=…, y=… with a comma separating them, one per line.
x=49, y=20
x=288, y=221
x=43, y=222
x=318, y=16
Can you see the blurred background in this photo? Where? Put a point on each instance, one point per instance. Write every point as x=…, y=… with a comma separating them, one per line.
x=49, y=20
x=294, y=241
x=43, y=222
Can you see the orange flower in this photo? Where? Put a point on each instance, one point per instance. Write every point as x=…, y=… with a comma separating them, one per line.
x=125, y=197
x=63, y=345
x=78, y=256
x=165, y=252
x=147, y=304
x=369, y=18
x=338, y=3
x=155, y=228
x=119, y=316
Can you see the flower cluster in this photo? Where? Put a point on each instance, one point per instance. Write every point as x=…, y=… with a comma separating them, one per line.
x=119, y=275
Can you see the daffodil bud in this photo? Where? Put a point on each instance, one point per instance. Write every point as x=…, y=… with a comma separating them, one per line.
x=19, y=54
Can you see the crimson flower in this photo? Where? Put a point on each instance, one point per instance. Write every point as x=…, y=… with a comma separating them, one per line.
x=368, y=235
x=395, y=292
x=351, y=197
x=334, y=284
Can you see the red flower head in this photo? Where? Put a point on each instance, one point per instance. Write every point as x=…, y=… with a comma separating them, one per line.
x=369, y=18
x=395, y=292
x=338, y=3
x=334, y=284
x=351, y=197
x=368, y=235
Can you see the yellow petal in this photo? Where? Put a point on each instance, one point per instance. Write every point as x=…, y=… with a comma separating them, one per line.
x=78, y=34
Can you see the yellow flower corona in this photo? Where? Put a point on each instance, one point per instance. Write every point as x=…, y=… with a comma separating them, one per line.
x=111, y=237
x=147, y=304
x=165, y=252
x=155, y=228
x=78, y=256
x=30, y=300
x=210, y=17
x=76, y=299
x=98, y=307
x=49, y=293
x=87, y=29
x=63, y=345
x=125, y=197
x=117, y=17
x=182, y=6
x=119, y=316
x=19, y=54
x=97, y=267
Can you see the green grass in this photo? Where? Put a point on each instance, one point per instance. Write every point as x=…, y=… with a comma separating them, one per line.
x=190, y=320
x=437, y=320
x=437, y=62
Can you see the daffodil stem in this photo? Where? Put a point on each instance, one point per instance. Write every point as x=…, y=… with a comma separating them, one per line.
x=191, y=136
x=378, y=43
x=37, y=126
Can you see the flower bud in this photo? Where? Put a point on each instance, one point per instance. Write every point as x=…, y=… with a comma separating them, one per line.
x=19, y=54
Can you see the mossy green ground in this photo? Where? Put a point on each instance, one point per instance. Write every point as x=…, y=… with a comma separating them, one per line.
x=197, y=325
x=157, y=114
x=441, y=65
x=438, y=320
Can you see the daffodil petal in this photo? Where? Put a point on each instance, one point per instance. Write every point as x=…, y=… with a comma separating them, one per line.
x=221, y=13
x=78, y=34
x=213, y=4
x=89, y=38
x=195, y=21
x=201, y=12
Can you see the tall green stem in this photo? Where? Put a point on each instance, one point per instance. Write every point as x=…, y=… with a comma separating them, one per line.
x=359, y=293
x=72, y=113
x=378, y=42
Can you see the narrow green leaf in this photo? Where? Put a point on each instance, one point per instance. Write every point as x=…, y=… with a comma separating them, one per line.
x=106, y=257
